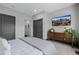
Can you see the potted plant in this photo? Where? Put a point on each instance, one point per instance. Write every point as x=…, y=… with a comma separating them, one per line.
x=76, y=42
x=68, y=33
x=51, y=30
x=71, y=32
x=51, y=33
x=76, y=38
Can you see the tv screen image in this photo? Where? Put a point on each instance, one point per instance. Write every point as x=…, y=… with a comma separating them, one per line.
x=61, y=20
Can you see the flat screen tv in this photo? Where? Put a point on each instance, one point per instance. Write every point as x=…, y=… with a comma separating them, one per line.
x=61, y=20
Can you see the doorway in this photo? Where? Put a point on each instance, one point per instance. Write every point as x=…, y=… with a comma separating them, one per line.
x=38, y=28
x=27, y=28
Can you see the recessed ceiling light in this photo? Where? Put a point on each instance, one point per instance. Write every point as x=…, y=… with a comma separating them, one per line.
x=35, y=10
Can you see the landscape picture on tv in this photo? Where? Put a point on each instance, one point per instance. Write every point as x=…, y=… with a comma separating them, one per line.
x=61, y=20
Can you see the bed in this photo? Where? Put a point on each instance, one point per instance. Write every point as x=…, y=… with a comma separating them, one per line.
x=19, y=47
x=47, y=47
x=31, y=46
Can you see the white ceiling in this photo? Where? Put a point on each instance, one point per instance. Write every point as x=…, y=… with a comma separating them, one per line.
x=34, y=8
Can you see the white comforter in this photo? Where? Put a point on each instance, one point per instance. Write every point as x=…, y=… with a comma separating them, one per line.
x=19, y=47
x=45, y=46
x=32, y=46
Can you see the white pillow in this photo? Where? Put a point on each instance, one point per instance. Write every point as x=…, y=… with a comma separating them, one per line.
x=1, y=45
x=4, y=46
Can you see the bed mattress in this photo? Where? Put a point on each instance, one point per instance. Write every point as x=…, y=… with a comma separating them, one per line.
x=32, y=46
x=47, y=47
x=19, y=47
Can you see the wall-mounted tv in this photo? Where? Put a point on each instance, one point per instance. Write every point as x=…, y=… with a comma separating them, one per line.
x=61, y=20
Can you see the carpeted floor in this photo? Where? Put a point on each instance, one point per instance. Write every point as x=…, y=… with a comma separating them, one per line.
x=64, y=49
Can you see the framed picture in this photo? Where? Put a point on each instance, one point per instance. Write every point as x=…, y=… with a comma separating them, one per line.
x=61, y=20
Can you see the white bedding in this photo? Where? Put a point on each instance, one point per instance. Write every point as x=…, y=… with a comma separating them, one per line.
x=45, y=46
x=32, y=46
x=18, y=47
x=4, y=47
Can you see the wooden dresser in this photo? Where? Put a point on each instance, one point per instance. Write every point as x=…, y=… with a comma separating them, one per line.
x=60, y=36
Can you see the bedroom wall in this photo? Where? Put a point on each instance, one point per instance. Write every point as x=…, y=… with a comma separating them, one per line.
x=43, y=16
x=72, y=10
x=29, y=31
x=65, y=11
x=77, y=17
x=20, y=25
